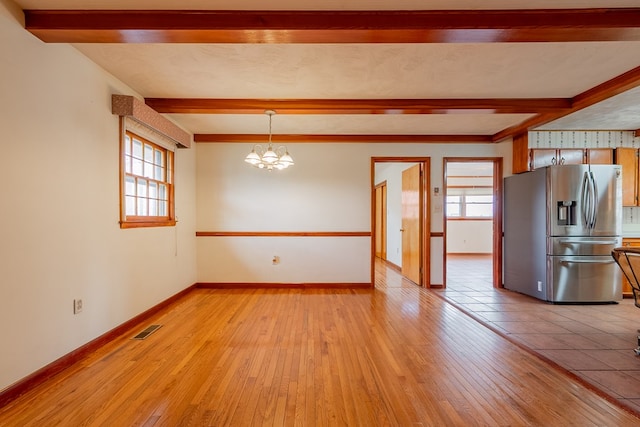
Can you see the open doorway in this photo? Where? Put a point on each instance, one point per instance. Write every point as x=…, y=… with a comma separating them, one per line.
x=473, y=223
x=400, y=218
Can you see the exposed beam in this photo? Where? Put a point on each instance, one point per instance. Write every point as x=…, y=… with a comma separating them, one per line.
x=292, y=138
x=525, y=126
x=608, y=89
x=356, y=106
x=419, y=26
x=613, y=87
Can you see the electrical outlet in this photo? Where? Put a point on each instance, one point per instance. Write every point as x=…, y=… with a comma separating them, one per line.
x=77, y=306
x=539, y=286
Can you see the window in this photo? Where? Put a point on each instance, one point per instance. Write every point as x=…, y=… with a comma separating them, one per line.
x=478, y=206
x=147, y=184
x=454, y=206
x=464, y=205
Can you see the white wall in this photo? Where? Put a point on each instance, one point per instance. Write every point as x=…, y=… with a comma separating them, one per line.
x=323, y=191
x=59, y=234
x=329, y=189
x=470, y=237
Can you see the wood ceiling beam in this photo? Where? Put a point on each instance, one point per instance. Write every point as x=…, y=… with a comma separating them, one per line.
x=608, y=89
x=419, y=26
x=292, y=138
x=357, y=106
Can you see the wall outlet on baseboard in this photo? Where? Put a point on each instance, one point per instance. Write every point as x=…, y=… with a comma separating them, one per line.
x=77, y=306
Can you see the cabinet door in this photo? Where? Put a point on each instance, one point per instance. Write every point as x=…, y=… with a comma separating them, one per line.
x=626, y=286
x=600, y=156
x=628, y=159
x=572, y=156
x=541, y=157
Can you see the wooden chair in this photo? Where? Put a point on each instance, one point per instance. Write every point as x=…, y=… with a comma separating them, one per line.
x=629, y=261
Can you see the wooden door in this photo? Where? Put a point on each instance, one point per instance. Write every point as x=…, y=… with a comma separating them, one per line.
x=381, y=220
x=628, y=159
x=411, y=232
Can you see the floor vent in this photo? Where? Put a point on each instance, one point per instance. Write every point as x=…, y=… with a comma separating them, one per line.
x=144, y=334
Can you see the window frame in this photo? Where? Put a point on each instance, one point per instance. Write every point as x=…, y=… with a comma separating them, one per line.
x=136, y=221
x=463, y=207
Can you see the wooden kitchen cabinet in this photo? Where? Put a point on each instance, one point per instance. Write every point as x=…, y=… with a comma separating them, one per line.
x=527, y=159
x=521, y=153
x=626, y=286
x=541, y=157
x=599, y=156
x=628, y=159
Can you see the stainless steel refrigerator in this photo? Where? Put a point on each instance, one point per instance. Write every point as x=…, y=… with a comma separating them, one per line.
x=560, y=225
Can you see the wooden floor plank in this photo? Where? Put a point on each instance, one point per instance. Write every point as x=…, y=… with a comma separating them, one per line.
x=393, y=355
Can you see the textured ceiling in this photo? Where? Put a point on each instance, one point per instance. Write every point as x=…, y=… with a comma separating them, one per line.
x=507, y=70
x=370, y=71
x=618, y=113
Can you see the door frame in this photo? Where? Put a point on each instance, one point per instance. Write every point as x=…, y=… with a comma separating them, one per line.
x=425, y=214
x=497, y=214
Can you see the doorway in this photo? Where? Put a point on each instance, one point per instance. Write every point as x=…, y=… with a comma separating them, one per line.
x=473, y=223
x=401, y=217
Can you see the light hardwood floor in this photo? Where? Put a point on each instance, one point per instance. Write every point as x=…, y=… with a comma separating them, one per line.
x=395, y=355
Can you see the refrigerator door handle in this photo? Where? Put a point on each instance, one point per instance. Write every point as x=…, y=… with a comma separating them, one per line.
x=590, y=242
x=583, y=199
x=594, y=198
x=585, y=261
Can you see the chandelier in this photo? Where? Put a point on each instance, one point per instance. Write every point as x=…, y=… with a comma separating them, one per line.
x=269, y=158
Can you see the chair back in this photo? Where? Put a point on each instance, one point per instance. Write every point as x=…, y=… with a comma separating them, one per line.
x=629, y=261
